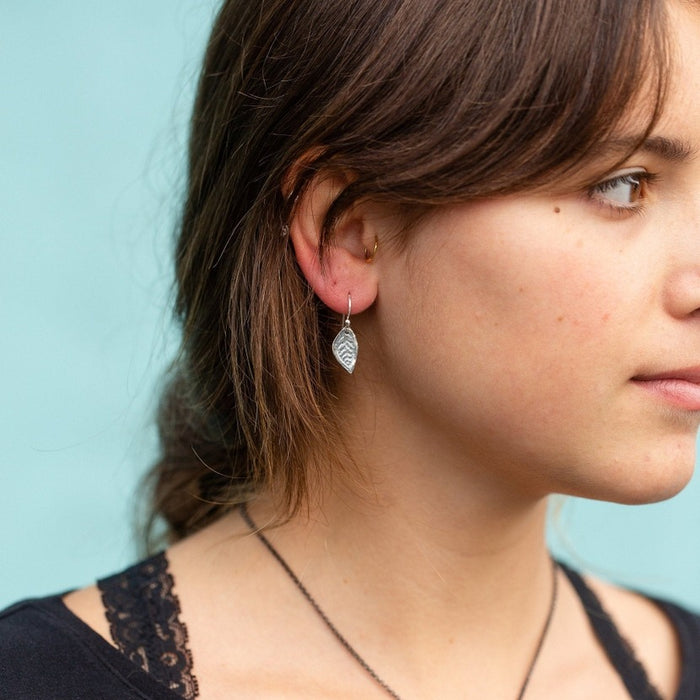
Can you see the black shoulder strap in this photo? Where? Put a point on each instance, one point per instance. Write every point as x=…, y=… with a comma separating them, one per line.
x=617, y=648
x=687, y=626
x=143, y=614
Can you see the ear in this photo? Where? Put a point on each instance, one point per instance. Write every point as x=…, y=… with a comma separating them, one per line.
x=345, y=268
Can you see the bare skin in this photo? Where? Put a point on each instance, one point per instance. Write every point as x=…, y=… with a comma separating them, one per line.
x=505, y=355
x=277, y=647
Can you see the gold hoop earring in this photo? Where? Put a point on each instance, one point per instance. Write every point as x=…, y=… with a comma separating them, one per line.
x=369, y=257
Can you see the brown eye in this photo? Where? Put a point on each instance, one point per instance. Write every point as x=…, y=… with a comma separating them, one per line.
x=623, y=191
x=627, y=191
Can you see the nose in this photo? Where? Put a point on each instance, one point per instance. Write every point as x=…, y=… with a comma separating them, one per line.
x=683, y=288
x=683, y=298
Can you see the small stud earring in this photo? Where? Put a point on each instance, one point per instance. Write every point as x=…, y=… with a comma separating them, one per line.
x=345, y=343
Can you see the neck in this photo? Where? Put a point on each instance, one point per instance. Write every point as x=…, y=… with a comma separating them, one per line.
x=467, y=562
x=427, y=546
x=430, y=510
x=426, y=587
x=431, y=574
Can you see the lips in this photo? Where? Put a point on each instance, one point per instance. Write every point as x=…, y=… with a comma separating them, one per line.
x=680, y=387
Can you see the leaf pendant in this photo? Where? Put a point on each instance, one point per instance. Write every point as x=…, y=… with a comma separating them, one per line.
x=345, y=349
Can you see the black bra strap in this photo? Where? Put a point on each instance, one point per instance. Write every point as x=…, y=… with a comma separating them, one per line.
x=143, y=613
x=616, y=647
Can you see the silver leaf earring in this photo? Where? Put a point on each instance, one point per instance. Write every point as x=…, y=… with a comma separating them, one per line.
x=345, y=344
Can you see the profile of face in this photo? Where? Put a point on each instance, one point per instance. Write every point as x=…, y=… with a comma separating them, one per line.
x=553, y=339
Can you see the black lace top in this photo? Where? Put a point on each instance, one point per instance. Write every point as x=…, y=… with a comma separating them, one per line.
x=144, y=621
x=47, y=653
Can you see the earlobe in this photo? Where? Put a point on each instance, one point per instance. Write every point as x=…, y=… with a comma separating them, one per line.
x=341, y=268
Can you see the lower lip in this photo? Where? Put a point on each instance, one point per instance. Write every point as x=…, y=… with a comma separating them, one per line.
x=678, y=392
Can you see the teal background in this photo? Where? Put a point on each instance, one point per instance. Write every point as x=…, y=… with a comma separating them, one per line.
x=94, y=106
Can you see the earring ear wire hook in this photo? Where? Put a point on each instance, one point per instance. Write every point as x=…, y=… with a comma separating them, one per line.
x=347, y=316
x=345, y=343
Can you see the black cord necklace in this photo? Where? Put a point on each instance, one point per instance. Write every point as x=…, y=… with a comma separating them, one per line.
x=351, y=650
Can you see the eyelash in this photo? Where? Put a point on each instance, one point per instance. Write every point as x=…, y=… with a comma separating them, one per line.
x=641, y=177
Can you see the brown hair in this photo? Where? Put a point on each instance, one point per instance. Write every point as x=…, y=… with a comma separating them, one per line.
x=425, y=102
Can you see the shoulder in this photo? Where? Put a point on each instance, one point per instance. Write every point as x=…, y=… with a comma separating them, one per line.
x=27, y=628
x=686, y=621
x=687, y=628
x=664, y=636
x=650, y=616
x=40, y=648
x=45, y=646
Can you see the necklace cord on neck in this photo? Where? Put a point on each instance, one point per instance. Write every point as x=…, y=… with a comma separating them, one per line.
x=350, y=649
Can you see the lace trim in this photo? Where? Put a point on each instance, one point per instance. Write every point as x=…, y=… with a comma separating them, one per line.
x=143, y=614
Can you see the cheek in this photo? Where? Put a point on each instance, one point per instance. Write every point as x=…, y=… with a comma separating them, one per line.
x=518, y=328
x=537, y=307
x=559, y=306
x=515, y=347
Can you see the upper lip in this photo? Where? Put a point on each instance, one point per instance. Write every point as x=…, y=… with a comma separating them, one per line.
x=687, y=374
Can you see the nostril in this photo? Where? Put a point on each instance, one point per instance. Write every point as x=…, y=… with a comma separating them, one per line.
x=682, y=292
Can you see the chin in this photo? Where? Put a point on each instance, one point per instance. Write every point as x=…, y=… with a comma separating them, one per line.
x=645, y=494
x=639, y=479
x=652, y=482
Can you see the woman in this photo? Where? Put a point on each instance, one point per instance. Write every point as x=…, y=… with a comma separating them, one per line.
x=438, y=260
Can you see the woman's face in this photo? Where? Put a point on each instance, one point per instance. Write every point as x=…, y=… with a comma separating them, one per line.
x=557, y=338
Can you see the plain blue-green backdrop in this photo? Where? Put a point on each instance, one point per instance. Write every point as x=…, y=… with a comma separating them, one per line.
x=94, y=103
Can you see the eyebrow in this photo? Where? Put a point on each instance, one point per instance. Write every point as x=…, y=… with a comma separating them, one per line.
x=670, y=149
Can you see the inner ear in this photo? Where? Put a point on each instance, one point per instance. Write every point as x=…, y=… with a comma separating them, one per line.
x=339, y=267
x=348, y=231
